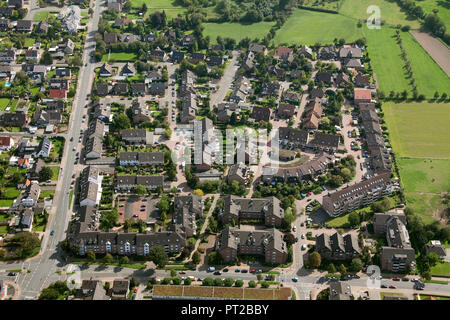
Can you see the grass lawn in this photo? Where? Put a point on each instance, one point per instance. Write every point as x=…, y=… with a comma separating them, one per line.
x=423, y=296
x=13, y=105
x=6, y=203
x=419, y=129
x=236, y=30
x=3, y=229
x=390, y=12
x=170, y=13
x=29, y=42
x=309, y=27
x=322, y=5
x=342, y=221
x=46, y=194
x=119, y=57
x=12, y=193
x=55, y=170
x=39, y=224
x=70, y=197
x=389, y=68
x=4, y=103
x=40, y=16
x=429, y=76
x=442, y=269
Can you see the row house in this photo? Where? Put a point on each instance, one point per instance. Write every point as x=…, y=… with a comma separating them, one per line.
x=233, y=242
x=128, y=183
x=141, y=158
x=359, y=195
x=337, y=247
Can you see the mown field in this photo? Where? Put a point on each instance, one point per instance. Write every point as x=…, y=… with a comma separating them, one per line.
x=386, y=60
x=389, y=12
x=419, y=129
x=420, y=136
x=309, y=27
x=236, y=30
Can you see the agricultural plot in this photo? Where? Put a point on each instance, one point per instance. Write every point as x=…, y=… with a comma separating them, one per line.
x=419, y=129
x=427, y=73
x=419, y=134
x=234, y=30
x=389, y=11
x=310, y=27
x=389, y=68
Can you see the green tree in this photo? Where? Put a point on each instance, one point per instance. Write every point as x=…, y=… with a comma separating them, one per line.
x=239, y=283
x=356, y=265
x=314, y=259
x=265, y=285
x=141, y=190
x=208, y=282
x=45, y=174
x=218, y=282
x=187, y=282
x=133, y=282
x=158, y=256
x=331, y=268
x=252, y=284
x=163, y=205
x=121, y=121
x=228, y=282
x=173, y=273
x=90, y=256
x=124, y=260
x=176, y=281
x=108, y=258
x=196, y=257
x=46, y=58
x=354, y=219
x=342, y=270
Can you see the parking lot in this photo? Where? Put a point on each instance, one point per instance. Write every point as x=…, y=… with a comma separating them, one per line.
x=136, y=208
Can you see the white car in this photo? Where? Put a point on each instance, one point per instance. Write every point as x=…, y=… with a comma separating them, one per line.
x=294, y=229
x=304, y=247
x=303, y=236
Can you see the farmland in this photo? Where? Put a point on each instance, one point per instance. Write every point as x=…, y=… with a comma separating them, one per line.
x=389, y=69
x=234, y=30
x=389, y=11
x=419, y=129
x=419, y=134
x=309, y=27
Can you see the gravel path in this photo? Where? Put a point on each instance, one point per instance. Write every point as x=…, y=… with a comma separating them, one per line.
x=435, y=48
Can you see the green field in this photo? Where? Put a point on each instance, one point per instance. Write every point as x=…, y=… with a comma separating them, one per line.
x=389, y=68
x=4, y=103
x=310, y=27
x=429, y=76
x=6, y=203
x=442, y=269
x=55, y=170
x=170, y=13
x=442, y=6
x=332, y=5
x=389, y=11
x=119, y=57
x=162, y=4
x=235, y=30
x=40, y=16
x=29, y=42
x=420, y=135
x=47, y=194
x=419, y=129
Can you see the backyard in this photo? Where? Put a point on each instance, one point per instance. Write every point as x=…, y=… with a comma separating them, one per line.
x=119, y=57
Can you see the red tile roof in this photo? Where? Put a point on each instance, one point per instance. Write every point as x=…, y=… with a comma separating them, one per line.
x=57, y=93
x=5, y=141
x=363, y=94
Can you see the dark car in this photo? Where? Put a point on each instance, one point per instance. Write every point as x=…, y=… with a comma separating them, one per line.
x=244, y=271
x=237, y=270
x=12, y=274
x=225, y=270
x=217, y=273
x=405, y=279
x=384, y=286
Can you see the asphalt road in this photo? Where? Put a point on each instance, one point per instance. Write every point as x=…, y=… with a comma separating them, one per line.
x=44, y=267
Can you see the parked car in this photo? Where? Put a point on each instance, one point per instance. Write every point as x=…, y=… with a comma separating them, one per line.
x=244, y=271
x=295, y=279
x=303, y=236
x=136, y=290
x=252, y=270
x=405, y=279
x=392, y=287
x=259, y=271
x=12, y=274
x=217, y=273
x=225, y=270
x=182, y=272
x=211, y=269
x=384, y=286
x=237, y=270
x=294, y=229
x=304, y=247
x=396, y=279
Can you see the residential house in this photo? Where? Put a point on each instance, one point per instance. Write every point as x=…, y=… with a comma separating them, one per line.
x=14, y=119
x=105, y=70
x=305, y=51
x=327, y=53
x=128, y=70
x=141, y=158
x=286, y=111
x=24, y=26
x=337, y=247
x=120, y=89
x=362, y=96
x=186, y=210
x=136, y=136
x=90, y=186
x=120, y=290
x=6, y=143
x=110, y=38
x=238, y=172
x=42, y=118
x=102, y=89
x=261, y=114
x=93, y=148
x=157, y=88
x=44, y=148
x=130, y=182
x=138, y=89
x=8, y=55
x=157, y=55
x=140, y=112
